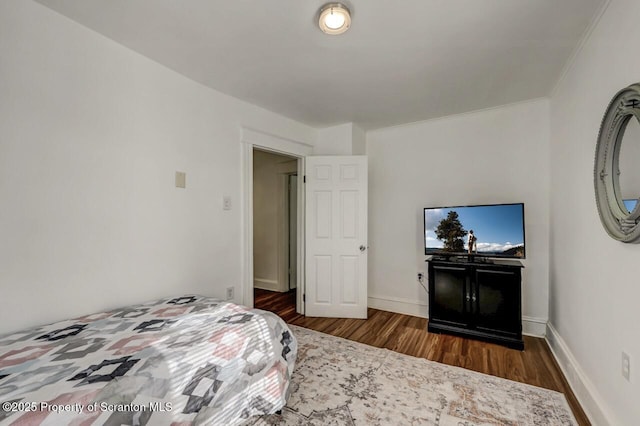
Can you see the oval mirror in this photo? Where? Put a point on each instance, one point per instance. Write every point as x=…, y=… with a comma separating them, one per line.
x=629, y=156
x=616, y=171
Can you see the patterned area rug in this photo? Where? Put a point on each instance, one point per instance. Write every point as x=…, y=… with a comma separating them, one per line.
x=340, y=382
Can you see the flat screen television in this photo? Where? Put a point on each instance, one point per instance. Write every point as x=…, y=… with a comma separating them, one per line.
x=495, y=230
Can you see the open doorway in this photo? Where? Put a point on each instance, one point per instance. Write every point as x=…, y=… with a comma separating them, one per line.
x=275, y=232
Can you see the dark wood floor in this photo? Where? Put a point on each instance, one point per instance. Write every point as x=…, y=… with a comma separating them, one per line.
x=406, y=334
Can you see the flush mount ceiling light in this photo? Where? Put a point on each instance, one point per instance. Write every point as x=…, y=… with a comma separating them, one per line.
x=335, y=18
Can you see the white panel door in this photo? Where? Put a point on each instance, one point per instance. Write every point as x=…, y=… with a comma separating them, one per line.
x=336, y=236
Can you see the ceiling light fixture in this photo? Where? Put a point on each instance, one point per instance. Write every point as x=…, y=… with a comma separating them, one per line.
x=335, y=18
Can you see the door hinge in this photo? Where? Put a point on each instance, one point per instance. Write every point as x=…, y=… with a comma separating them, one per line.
x=304, y=179
x=304, y=297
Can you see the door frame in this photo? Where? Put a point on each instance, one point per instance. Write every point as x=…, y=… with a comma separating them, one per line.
x=250, y=139
x=285, y=235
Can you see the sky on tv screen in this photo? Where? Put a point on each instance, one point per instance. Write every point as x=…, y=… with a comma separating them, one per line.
x=498, y=229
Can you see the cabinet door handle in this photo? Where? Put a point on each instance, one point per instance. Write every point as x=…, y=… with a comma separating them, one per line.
x=468, y=298
x=473, y=298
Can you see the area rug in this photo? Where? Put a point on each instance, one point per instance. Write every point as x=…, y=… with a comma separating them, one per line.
x=341, y=382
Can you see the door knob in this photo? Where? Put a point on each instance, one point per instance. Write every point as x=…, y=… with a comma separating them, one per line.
x=362, y=248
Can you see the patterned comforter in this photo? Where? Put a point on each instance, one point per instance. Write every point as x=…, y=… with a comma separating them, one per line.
x=181, y=361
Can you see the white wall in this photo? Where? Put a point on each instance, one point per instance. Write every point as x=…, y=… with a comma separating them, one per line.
x=344, y=139
x=91, y=135
x=358, y=140
x=427, y=165
x=336, y=140
x=269, y=214
x=594, y=286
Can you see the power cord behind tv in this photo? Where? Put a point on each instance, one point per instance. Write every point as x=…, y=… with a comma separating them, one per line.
x=421, y=281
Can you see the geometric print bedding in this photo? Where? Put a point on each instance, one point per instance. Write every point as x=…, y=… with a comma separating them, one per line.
x=181, y=361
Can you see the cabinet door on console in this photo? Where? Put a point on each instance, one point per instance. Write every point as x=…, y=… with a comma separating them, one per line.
x=497, y=305
x=449, y=302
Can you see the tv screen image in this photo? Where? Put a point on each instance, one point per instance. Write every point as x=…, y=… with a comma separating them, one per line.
x=492, y=230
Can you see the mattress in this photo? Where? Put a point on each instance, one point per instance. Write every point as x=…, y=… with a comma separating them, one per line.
x=178, y=361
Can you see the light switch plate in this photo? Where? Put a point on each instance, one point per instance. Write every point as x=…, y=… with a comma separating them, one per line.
x=181, y=180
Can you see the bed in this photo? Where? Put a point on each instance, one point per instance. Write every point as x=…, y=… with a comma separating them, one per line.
x=181, y=361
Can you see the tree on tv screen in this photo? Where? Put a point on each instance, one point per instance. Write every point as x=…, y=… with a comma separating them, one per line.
x=451, y=233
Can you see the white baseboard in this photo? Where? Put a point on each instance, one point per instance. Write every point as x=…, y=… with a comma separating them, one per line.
x=399, y=305
x=584, y=390
x=532, y=326
x=263, y=284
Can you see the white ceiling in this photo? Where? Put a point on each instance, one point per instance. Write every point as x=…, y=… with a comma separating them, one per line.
x=401, y=61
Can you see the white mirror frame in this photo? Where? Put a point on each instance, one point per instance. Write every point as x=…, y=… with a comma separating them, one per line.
x=619, y=223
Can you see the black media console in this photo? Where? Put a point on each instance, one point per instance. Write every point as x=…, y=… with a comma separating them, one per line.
x=475, y=298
